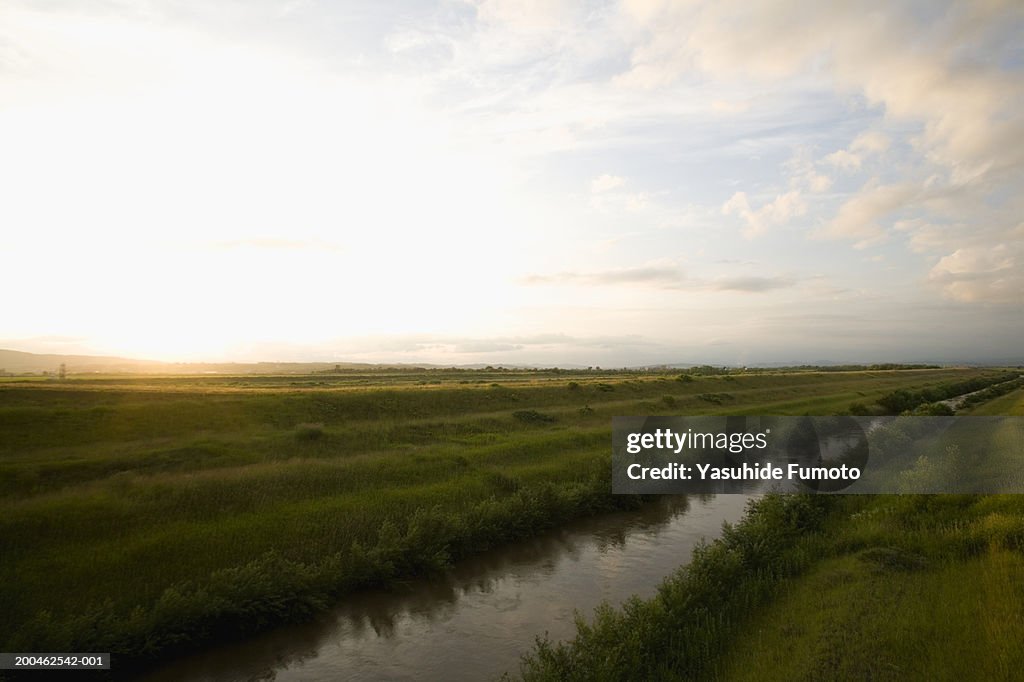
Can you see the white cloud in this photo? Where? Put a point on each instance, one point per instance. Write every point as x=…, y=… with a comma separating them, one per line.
x=776, y=212
x=818, y=182
x=527, y=15
x=924, y=63
x=804, y=174
x=638, y=201
x=864, y=145
x=131, y=125
x=860, y=218
x=991, y=274
x=606, y=182
x=841, y=158
x=870, y=142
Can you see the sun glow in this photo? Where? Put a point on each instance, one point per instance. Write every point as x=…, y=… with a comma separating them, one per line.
x=550, y=181
x=240, y=193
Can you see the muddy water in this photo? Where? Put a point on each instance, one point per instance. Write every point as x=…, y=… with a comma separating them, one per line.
x=475, y=622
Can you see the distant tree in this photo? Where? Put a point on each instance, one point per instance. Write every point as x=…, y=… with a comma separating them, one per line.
x=62, y=372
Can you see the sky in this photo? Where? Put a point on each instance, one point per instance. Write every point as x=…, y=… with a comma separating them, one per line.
x=533, y=182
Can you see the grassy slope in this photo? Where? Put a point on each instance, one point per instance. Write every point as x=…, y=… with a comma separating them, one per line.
x=921, y=587
x=192, y=507
x=914, y=587
x=1011, y=404
x=885, y=587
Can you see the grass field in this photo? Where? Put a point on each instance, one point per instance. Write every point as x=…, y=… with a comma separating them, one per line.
x=145, y=515
x=886, y=587
x=917, y=587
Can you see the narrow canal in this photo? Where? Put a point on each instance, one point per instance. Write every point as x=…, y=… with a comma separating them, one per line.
x=476, y=621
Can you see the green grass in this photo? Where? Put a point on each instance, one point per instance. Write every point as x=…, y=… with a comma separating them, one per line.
x=679, y=633
x=147, y=515
x=1011, y=404
x=887, y=587
x=824, y=588
x=915, y=588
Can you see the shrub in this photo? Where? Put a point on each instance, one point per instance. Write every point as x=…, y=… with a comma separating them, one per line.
x=532, y=417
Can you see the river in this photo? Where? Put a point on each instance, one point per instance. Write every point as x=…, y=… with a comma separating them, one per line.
x=476, y=621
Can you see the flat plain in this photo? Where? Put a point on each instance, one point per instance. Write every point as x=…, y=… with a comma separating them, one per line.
x=147, y=515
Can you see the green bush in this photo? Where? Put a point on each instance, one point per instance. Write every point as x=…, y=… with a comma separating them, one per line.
x=533, y=417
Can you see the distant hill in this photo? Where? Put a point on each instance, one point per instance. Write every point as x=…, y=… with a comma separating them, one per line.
x=17, y=362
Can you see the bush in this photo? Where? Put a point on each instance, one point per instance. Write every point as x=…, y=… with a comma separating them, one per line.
x=533, y=417
x=934, y=410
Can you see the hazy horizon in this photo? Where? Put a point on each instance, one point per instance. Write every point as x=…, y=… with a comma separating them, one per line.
x=492, y=182
x=109, y=363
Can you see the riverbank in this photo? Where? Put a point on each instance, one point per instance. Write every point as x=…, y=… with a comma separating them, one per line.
x=484, y=612
x=151, y=516
x=920, y=587
x=886, y=587
x=842, y=588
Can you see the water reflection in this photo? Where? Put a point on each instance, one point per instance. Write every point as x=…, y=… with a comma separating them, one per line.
x=476, y=620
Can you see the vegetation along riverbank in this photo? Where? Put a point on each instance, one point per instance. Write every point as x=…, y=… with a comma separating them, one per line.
x=147, y=516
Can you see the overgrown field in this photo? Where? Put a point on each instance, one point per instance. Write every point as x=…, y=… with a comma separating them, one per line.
x=147, y=516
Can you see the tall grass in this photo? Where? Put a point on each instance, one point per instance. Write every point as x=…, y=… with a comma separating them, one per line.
x=147, y=516
x=680, y=633
x=864, y=587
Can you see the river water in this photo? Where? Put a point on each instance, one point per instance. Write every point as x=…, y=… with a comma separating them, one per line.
x=476, y=621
